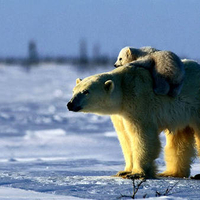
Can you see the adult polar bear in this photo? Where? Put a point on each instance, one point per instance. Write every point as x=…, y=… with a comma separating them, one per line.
x=138, y=115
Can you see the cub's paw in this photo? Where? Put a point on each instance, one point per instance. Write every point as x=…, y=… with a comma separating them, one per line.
x=161, y=91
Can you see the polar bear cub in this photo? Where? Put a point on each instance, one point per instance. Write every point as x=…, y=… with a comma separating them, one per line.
x=166, y=67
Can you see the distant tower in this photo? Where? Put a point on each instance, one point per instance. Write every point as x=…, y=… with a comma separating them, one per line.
x=83, y=52
x=96, y=51
x=32, y=53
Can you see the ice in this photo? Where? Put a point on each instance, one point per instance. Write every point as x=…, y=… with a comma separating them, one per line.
x=48, y=152
x=18, y=194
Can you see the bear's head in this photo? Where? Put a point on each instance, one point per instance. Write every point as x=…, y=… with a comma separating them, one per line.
x=98, y=94
x=126, y=55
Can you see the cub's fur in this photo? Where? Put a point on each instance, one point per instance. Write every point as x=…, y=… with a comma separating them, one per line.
x=166, y=67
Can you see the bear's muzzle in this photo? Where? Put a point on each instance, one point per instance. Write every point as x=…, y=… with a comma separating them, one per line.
x=72, y=107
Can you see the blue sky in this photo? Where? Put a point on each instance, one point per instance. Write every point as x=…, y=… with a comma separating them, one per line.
x=58, y=26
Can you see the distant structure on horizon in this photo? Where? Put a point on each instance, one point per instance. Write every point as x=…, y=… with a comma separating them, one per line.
x=83, y=52
x=33, y=57
x=83, y=60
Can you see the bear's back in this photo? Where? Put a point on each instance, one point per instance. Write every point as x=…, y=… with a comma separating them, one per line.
x=167, y=112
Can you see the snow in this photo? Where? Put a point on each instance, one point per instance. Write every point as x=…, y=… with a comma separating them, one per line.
x=18, y=194
x=48, y=152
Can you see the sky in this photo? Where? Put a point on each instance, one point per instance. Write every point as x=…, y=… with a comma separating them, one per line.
x=57, y=27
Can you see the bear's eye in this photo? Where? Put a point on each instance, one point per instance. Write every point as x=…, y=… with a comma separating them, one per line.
x=85, y=92
x=120, y=59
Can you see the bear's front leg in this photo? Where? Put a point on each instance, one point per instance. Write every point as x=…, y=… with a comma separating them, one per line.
x=145, y=147
x=124, y=140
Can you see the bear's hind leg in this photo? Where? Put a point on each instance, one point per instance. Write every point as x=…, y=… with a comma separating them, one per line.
x=179, y=152
x=197, y=139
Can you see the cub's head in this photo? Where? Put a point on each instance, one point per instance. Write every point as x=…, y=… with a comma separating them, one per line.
x=126, y=55
x=96, y=94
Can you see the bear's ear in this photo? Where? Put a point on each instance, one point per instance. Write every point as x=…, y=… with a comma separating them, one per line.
x=109, y=86
x=78, y=80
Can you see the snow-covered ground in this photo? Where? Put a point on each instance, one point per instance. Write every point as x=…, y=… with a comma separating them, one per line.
x=48, y=152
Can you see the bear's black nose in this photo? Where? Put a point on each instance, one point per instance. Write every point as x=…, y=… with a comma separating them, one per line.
x=70, y=106
x=115, y=65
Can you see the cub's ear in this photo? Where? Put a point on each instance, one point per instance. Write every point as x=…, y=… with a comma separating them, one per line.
x=78, y=80
x=128, y=52
x=109, y=86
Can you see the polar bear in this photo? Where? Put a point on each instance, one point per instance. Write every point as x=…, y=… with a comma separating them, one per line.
x=165, y=66
x=139, y=115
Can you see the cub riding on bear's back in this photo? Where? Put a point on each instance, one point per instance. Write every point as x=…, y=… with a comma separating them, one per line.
x=139, y=115
x=166, y=67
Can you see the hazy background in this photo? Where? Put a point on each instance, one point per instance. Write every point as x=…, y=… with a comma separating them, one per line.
x=57, y=27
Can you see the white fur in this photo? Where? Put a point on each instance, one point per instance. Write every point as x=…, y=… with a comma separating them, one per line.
x=139, y=115
x=166, y=67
